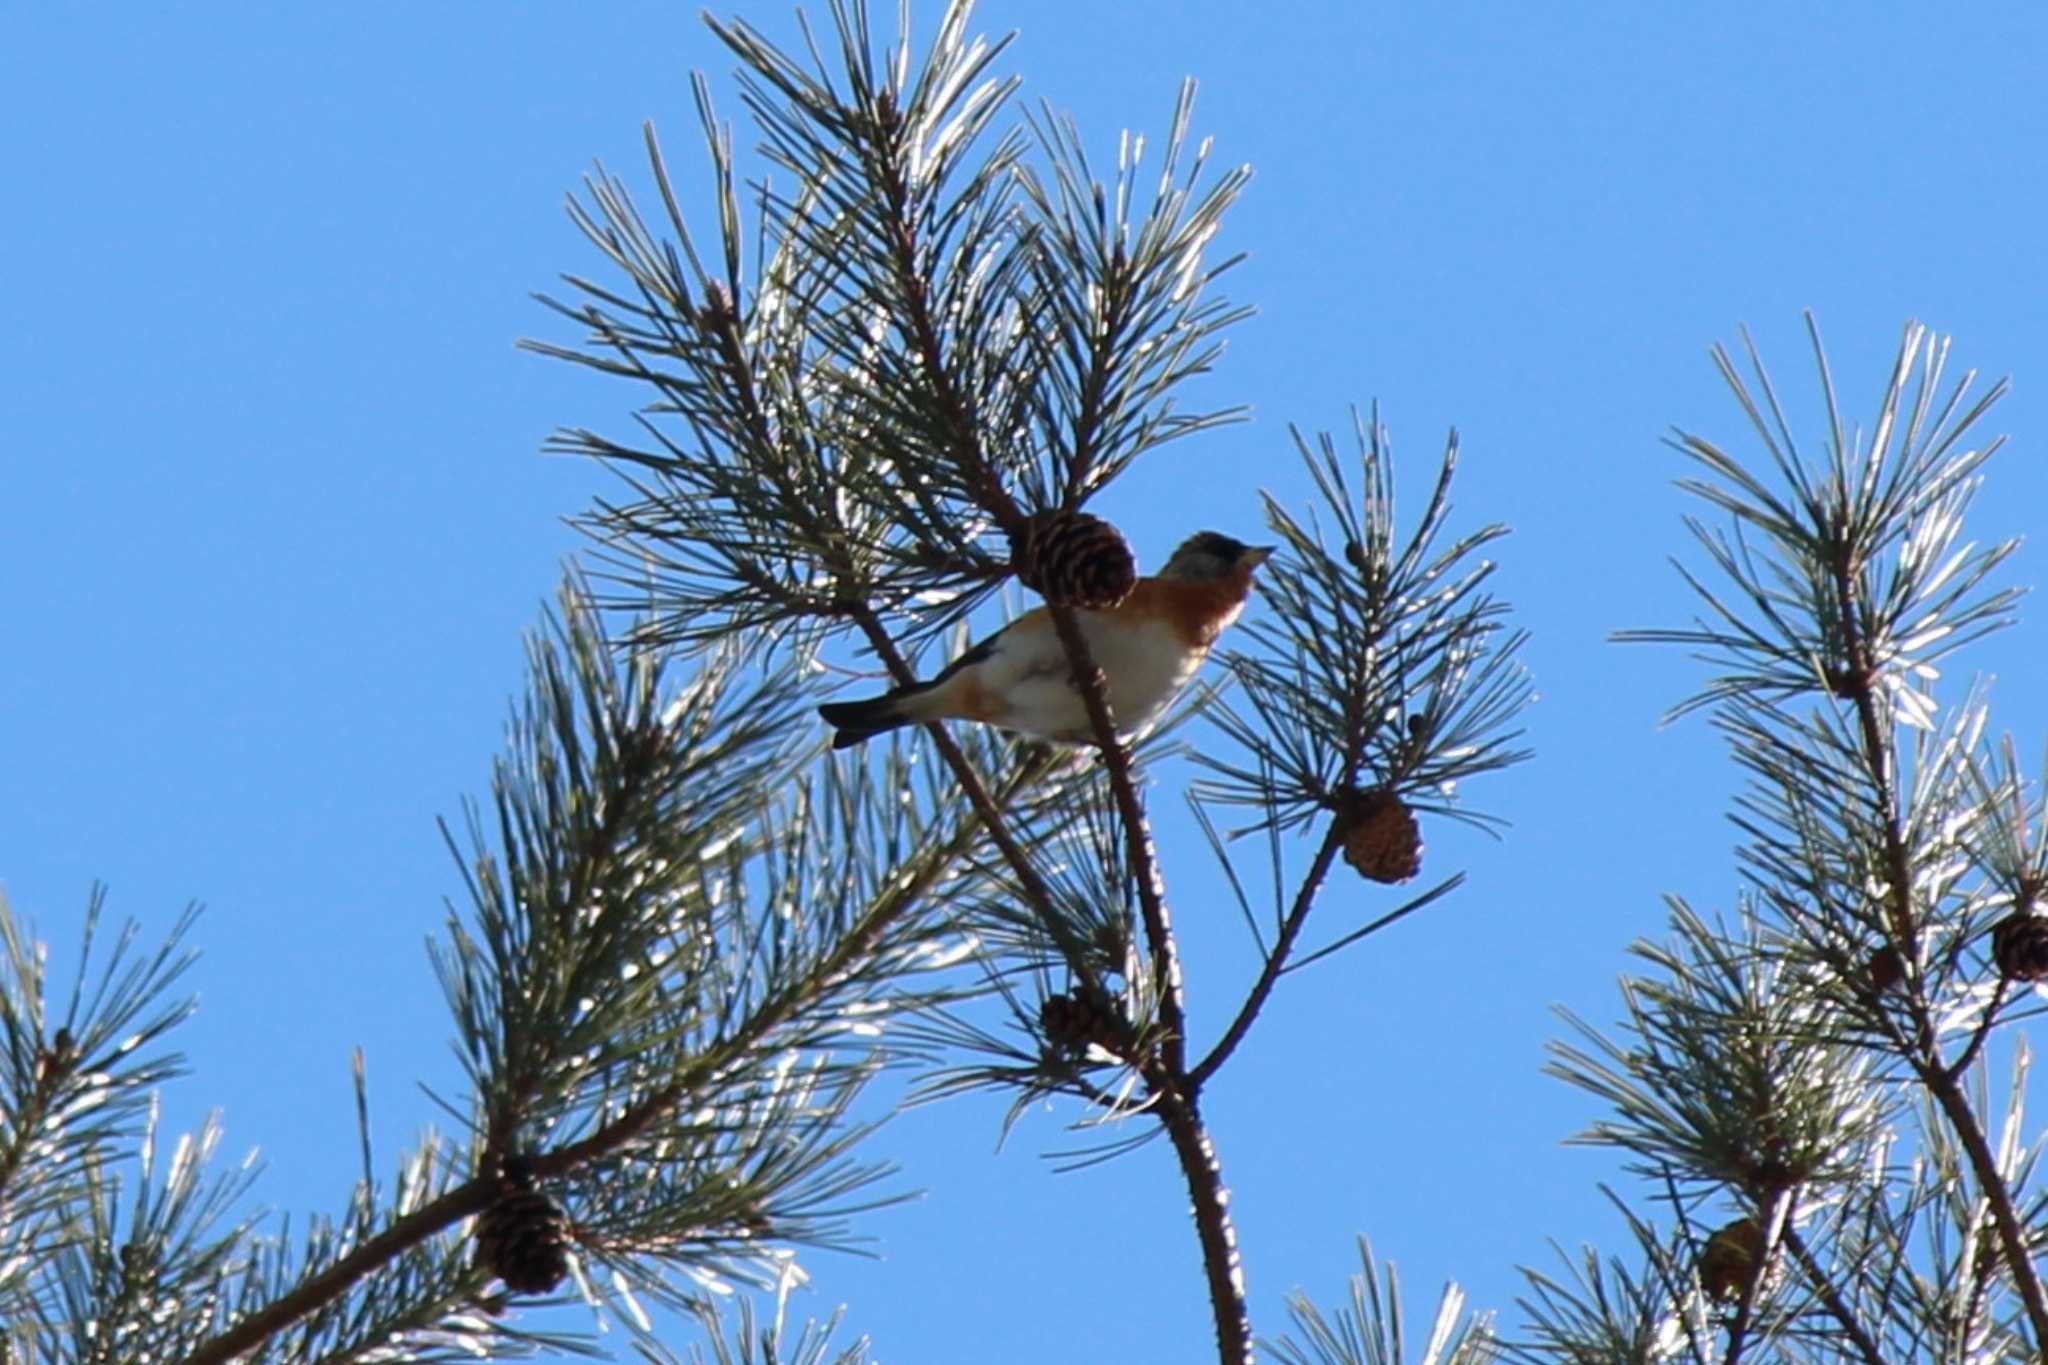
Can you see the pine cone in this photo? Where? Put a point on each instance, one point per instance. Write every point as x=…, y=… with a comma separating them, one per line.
x=1073, y=559
x=2020, y=947
x=1887, y=969
x=1730, y=1257
x=1381, y=838
x=1072, y=1022
x=523, y=1238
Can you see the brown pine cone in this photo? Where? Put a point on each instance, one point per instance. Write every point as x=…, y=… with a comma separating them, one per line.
x=2020, y=947
x=1730, y=1257
x=1887, y=969
x=1073, y=559
x=1381, y=838
x=1072, y=1022
x=523, y=1238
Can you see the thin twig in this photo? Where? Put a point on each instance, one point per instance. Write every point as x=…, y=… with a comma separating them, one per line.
x=1955, y=1106
x=1831, y=1298
x=1276, y=961
x=1033, y=886
x=1982, y=1032
x=1759, y=1271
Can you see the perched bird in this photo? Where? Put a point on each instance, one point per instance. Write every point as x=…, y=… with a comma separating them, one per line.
x=1148, y=646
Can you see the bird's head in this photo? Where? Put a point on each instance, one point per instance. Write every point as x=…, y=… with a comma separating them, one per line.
x=1211, y=556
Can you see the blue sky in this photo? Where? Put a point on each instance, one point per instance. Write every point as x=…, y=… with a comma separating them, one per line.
x=275, y=520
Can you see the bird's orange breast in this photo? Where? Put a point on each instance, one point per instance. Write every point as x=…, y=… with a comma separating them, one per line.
x=1196, y=612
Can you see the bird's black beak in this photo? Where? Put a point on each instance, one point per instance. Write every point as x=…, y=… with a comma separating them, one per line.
x=1255, y=555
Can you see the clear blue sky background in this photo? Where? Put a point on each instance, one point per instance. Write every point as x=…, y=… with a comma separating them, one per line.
x=275, y=520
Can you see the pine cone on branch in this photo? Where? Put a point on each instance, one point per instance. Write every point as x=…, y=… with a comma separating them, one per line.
x=523, y=1237
x=1381, y=839
x=1073, y=1022
x=1887, y=968
x=1073, y=559
x=1730, y=1258
x=2020, y=947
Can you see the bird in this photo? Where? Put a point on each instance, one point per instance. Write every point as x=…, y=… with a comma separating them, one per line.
x=1148, y=646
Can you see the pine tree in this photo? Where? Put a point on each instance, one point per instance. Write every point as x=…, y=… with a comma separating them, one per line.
x=690, y=935
x=1801, y=1083
x=908, y=359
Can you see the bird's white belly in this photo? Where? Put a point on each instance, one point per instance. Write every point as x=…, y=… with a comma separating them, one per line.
x=1147, y=666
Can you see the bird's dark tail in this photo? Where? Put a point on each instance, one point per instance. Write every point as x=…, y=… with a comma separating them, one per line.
x=859, y=721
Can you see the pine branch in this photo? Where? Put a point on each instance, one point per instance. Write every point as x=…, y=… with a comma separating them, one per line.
x=1991, y=1183
x=1380, y=666
x=468, y=1199
x=1379, y=661
x=944, y=337
x=1177, y=1108
x=1940, y=1077
x=601, y=963
x=901, y=205
x=1765, y=1063
x=1904, y=918
x=1221, y=1265
x=78, y=1076
x=1142, y=856
x=1824, y=1289
x=1276, y=960
x=88, y=1078
x=474, y=1195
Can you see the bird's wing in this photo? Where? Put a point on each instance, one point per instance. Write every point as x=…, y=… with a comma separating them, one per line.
x=980, y=652
x=1024, y=627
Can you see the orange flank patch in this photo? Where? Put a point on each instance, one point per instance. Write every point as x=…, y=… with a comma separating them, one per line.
x=972, y=701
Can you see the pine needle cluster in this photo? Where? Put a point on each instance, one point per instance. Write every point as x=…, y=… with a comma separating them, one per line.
x=1801, y=1085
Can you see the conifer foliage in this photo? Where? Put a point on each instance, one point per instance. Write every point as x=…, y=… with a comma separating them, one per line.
x=911, y=339
x=1802, y=1082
